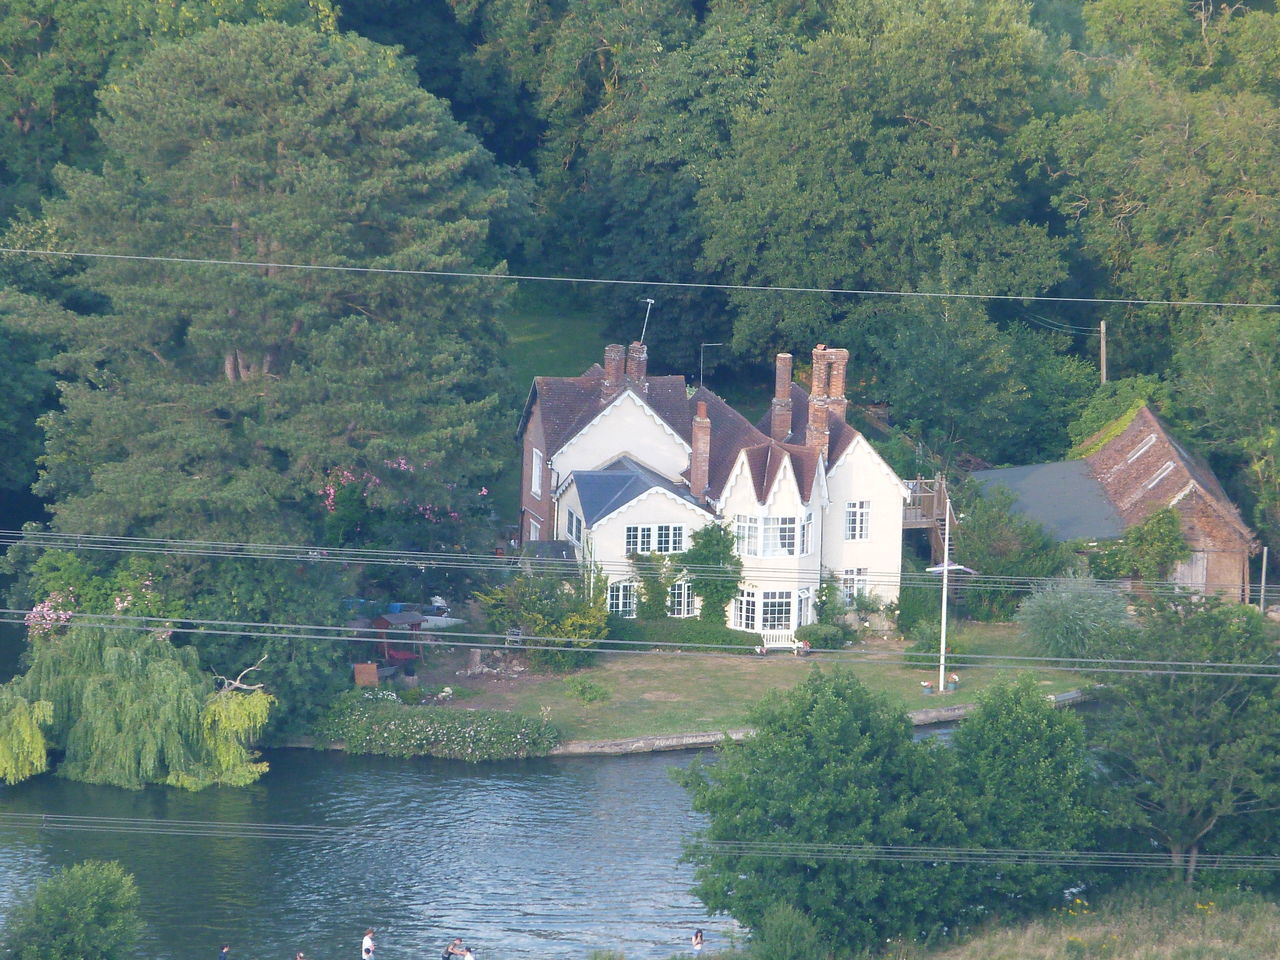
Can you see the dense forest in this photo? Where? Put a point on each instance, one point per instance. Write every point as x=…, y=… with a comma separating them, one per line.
x=1038, y=169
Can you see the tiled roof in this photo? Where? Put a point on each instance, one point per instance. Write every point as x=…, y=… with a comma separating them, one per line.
x=601, y=492
x=1145, y=469
x=840, y=433
x=569, y=403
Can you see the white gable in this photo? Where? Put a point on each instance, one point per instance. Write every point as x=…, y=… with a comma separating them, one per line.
x=627, y=427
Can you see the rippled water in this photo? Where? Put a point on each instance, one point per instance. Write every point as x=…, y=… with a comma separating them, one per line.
x=540, y=858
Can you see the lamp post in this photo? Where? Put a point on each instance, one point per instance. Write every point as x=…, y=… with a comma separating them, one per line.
x=945, y=568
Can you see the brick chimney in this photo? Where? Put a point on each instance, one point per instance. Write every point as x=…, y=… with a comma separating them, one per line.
x=614, y=369
x=780, y=409
x=838, y=358
x=637, y=361
x=817, y=436
x=700, y=457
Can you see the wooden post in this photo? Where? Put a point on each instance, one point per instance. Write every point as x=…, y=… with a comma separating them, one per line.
x=1102, y=350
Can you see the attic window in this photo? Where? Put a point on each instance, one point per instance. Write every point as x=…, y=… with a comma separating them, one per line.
x=1160, y=474
x=1141, y=448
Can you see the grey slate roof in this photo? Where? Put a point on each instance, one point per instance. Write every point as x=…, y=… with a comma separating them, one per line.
x=603, y=491
x=1065, y=498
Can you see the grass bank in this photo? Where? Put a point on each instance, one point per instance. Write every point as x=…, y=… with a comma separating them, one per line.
x=663, y=693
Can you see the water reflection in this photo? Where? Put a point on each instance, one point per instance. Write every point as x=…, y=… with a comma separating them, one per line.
x=546, y=858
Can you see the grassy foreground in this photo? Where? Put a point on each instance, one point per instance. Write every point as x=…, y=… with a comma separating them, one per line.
x=668, y=693
x=1166, y=923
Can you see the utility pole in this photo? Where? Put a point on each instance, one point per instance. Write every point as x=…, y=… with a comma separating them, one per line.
x=1102, y=352
x=1262, y=590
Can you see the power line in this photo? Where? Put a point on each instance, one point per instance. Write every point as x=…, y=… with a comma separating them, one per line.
x=275, y=631
x=732, y=287
x=901, y=853
x=978, y=855
x=485, y=562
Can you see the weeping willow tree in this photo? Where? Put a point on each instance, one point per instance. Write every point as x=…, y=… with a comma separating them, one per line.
x=23, y=749
x=129, y=708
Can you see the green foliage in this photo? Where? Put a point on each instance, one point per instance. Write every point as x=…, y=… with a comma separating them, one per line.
x=563, y=619
x=997, y=542
x=829, y=763
x=823, y=636
x=1149, y=550
x=656, y=574
x=587, y=690
x=1227, y=398
x=374, y=724
x=829, y=606
x=1024, y=770
x=923, y=641
x=1074, y=618
x=1217, y=755
x=679, y=632
x=1112, y=407
x=713, y=569
x=24, y=752
x=785, y=933
x=56, y=54
x=88, y=911
x=130, y=708
x=917, y=603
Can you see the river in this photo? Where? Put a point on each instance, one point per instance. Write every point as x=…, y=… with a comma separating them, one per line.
x=531, y=859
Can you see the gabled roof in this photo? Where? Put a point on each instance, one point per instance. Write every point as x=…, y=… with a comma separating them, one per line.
x=1128, y=478
x=1144, y=469
x=569, y=403
x=602, y=492
x=1065, y=498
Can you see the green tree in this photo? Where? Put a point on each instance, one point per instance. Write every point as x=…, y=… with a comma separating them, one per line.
x=54, y=55
x=1189, y=752
x=881, y=152
x=1024, y=769
x=88, y=911
x=829, y=763
x=713, y=569
x=129, y=707
x=1228, y=395
x=1148, y=551
x=998, y=542
x=564, y=620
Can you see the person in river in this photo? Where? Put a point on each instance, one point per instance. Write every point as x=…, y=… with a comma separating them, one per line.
x=225, y=952
x=367, y=945
x=454, y=949
x=696, y=940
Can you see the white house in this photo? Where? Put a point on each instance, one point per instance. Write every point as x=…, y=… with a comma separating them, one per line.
x=618, y=463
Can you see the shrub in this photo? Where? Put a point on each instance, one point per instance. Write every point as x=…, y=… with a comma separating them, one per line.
x=785, y=933
x=922, y=645
x=823, y=636
x=1073, y=618
x=378, y=725
x=588, y=691
x=678, y=632
x=86, y=912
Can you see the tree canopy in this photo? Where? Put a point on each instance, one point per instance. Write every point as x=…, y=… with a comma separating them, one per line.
x=88, y=911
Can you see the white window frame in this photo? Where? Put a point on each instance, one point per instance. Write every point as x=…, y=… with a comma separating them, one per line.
x=777, y=610
x=857, y=520
x=746, y=532
x=804, y=606
x=535, y=529
x=806, y=535
x=653, y=538
x=574, y=527
x=855, y=581
x=535, y=475
x=680, y=599
x=744, y=611
x=778, y=537
x=622, y=599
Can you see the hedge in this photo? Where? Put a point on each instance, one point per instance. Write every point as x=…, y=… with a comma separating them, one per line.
x=373, y=722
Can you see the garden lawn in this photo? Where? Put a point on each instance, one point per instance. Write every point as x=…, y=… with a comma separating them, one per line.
x=653, y=694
